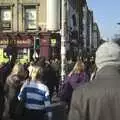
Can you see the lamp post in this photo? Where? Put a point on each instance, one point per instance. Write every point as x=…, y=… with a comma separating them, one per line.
x=63, y=38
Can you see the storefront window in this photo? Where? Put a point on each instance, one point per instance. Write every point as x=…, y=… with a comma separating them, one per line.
x=30, y=18
x=22, y=52
x=6, y=18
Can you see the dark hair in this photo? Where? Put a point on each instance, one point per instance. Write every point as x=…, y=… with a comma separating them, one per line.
x=42, y=61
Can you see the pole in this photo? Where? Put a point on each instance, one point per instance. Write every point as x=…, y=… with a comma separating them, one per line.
x=63, y=38
x=28, y=54
x=34, y=51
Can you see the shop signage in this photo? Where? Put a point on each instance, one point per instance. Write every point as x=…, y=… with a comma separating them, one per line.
x=18, y=43
x=6, y=25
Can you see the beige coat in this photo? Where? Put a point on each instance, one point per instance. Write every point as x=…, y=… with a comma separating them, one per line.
x=100, y=99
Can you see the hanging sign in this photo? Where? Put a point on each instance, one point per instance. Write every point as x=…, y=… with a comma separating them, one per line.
x=53, y=42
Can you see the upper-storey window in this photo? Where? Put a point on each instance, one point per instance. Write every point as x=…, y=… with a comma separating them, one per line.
x=30, y=18
x=5, y=18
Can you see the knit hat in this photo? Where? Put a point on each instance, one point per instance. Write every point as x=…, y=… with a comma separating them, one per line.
x=108, y=54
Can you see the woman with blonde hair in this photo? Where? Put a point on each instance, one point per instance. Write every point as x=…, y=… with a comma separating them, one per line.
x=78, y=68
x=36, y=96
x=12, y=88
x=76, y=77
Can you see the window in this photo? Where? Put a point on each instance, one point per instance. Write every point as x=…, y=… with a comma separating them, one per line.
x=74, y=20
x=22, y=53
x=6, y=18
x=30, y=18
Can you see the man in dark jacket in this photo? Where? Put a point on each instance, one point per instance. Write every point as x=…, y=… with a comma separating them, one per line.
x=48, y=76
x=100, y=99
x=2, y=81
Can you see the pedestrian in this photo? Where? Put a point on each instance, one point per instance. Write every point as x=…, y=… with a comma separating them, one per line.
x=88, y=66
x=100, y=99
x=75, y=78
x=12, y=88
x=1, y=92
x=69, y=66
x=56, y=67
x=49, y=77
x=35, y=96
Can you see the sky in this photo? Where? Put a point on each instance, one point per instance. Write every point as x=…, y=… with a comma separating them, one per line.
x=107, y=15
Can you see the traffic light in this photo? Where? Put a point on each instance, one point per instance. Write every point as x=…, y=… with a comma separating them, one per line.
x=36, y=43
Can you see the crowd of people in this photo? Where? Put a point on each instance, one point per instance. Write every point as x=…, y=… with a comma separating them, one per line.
x=32, y=83
x=32, y=86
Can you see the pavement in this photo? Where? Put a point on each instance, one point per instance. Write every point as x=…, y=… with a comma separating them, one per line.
x=59, y=109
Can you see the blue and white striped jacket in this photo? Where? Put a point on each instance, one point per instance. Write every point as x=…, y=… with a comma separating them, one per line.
x=35, y=95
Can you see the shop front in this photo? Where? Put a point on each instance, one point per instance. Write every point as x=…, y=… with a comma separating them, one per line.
x=22, y=42
x=23, y=45
x=50, y=45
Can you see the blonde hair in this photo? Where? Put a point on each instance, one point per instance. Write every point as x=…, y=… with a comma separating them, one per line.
x=79, y=67
x=35, y=73
x=18, y=69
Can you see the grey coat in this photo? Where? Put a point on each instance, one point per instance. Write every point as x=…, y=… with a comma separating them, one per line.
x=100, y=99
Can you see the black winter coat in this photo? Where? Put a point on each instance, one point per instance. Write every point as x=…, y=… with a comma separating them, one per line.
x=100, y=99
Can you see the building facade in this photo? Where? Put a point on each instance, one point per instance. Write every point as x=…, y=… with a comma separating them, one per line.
x=96, y=36
x=22, y=15
x=24, y=20
x=75, y=27
x=86, y=29
x=90, y=29
x=72, y=28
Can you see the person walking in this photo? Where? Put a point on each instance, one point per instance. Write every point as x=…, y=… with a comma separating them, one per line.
x=12, y=88
x=100, y=99
x=74, y=79
x=48, y=76
x=35, y=96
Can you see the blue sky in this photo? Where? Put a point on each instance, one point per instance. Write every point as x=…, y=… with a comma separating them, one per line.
x=107, y=15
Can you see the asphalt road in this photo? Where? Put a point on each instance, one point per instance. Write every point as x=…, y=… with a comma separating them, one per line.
x=59, y=112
